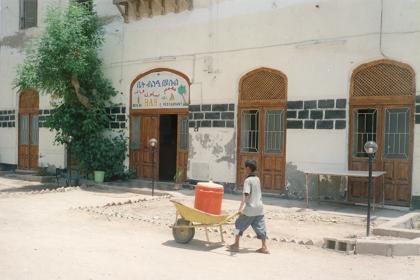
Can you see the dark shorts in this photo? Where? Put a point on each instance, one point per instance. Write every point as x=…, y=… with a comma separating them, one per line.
x=257, y=223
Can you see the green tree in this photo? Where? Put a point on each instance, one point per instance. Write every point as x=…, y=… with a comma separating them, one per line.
x=64, y=64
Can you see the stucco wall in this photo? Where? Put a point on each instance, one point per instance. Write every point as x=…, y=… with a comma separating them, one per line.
x=317, y=44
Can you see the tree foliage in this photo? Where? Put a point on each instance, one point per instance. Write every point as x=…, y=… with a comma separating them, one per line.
x=64, y=63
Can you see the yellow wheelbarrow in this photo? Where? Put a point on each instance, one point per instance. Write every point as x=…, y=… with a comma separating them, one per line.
x=188, y=219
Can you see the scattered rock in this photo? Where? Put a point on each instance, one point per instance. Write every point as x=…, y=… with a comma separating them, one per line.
x=275, y=239
x=248, y=235
x=309, y=242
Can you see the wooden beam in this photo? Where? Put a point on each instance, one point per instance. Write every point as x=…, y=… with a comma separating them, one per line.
x=122, y=6
x=163, y=4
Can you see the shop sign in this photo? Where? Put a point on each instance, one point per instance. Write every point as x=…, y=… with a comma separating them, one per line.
x=159, y=90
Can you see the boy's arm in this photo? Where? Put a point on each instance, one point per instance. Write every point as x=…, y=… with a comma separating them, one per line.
x=245, y=198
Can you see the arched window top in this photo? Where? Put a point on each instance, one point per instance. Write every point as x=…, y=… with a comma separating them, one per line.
x=28, y=99
x=263, y=84
x=383, y=78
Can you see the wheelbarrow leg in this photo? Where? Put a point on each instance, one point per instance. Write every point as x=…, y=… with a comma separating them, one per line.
x=207, y=234
x=221, y=233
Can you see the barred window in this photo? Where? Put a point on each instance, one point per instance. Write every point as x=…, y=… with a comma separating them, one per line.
x=28, y=13
x=184, y=134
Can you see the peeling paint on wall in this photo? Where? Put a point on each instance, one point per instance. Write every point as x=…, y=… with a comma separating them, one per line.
x=191, y=151
x=204, y=140
x=330, y=187
x=16, y=41
x=229, y=151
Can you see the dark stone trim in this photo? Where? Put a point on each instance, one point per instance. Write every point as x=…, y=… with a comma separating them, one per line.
x=340, y=124
x=227, y=116
x=340, y=103
x=219, y=107
x=304, y=114
x=309, y=124
x=326, y=103
x=317, y=114
x=325, y=124
x=309, y=104
x=295, y=104
x=213, y=115
x=294, y=124
x=7, y=118
x=291, y=114
x=335, y=114
x=218, y=124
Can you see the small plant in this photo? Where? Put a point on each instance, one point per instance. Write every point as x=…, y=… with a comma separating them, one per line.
x=179, y=175
x=42, y=171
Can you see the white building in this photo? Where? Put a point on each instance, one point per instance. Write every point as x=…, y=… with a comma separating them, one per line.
x=293, y=84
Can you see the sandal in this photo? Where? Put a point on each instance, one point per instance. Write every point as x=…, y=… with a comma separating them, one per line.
x=233, y=248
x=263, y=251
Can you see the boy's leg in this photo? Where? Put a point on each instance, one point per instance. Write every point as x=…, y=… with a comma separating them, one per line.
x=241, y=224
x=258, y=225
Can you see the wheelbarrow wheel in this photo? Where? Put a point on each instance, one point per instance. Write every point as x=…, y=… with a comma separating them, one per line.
x=184, y=234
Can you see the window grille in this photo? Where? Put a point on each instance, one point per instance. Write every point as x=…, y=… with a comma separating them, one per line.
x=28, y=13
x=135, y=133
x=397, y=133
x=249, y=131
x=34, y=131
x=364, y=130
x=184, y=134
x=274, y=131
x=24, y=129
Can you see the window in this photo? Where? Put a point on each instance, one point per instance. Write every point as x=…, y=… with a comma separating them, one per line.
x=274, y=130
x=184, y=134
x=34, y=130
x=249, y=131
x=364, y=130
x=28, y=13
x=24, y=129
x=135, y=133
x=396, y=133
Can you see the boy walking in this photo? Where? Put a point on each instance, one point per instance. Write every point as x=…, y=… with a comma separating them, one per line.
x=251, y=209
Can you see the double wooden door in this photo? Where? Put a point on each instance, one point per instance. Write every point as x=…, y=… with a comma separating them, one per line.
x=391, y=127
x=262, y=138
x=28, y=149
x=145, y=127
x=28, y=138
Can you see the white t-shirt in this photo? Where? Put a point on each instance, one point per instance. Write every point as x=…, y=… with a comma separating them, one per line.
x=254, y=206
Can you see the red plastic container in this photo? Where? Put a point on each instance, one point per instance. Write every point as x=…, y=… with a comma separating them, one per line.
x=208, y=197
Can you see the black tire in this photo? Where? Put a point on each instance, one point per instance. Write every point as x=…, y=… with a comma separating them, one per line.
x=183, y=235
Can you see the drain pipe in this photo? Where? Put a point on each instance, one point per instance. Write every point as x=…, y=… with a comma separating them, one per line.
x=381, y=30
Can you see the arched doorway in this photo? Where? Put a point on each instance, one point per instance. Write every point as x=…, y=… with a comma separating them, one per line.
x=262, y=126
x=159, y=103
x=382, y=100
x=28, y=130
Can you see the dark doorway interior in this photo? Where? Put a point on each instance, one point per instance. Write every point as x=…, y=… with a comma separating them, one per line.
x=168, y=147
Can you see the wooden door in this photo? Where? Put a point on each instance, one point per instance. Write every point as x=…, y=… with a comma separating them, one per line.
x=135, y=151
x=273, y=153
x=364, y=126
x=28, y=142
x=149, y=127
x=397, y=154
x=391, y=128
x=183, y=145
x=262, y=138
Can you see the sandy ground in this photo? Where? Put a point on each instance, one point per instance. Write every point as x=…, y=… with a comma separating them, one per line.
x=46, y=236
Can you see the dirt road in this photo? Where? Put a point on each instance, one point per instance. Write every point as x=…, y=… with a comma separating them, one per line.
x=45, y=236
